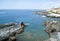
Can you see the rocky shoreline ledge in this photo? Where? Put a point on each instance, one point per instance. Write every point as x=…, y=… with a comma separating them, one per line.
x=53, y=29
x=9, y=31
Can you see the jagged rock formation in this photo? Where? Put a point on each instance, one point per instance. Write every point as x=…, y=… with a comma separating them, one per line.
x=8, y=33
x=53, y=29
x=7, y=25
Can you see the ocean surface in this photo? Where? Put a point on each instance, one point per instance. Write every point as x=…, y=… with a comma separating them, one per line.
x=34, y=31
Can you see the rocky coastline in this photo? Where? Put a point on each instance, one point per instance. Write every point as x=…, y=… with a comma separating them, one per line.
x=54, y=13
x=9, y=31
x=53, y=29
x=52, y=26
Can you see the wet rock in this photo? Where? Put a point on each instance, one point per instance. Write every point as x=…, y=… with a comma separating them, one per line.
x=52, y=27
x=20, y=31
x=11, y=31
x=53, y=30
x=55, y=37
x=12, y=37
x=6, y=25
x=22, y=24
x=5, y=39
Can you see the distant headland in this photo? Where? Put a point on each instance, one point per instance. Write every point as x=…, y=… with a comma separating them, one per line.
x=53, y=12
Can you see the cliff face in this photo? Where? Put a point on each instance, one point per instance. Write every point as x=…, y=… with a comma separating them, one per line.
x=54, y=10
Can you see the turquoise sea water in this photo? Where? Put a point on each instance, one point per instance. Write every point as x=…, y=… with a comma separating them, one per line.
x=35, y=30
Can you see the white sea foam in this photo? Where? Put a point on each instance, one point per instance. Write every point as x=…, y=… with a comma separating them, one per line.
x=55, y=37
x=43, y=16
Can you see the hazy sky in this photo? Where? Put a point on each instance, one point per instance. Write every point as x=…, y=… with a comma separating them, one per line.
x=29, y=4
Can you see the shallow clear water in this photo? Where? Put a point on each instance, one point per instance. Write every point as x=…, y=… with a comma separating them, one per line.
x=33, y=32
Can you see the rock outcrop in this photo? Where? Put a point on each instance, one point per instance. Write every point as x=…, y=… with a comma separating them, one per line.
x=9, y=32
x=53, y=29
